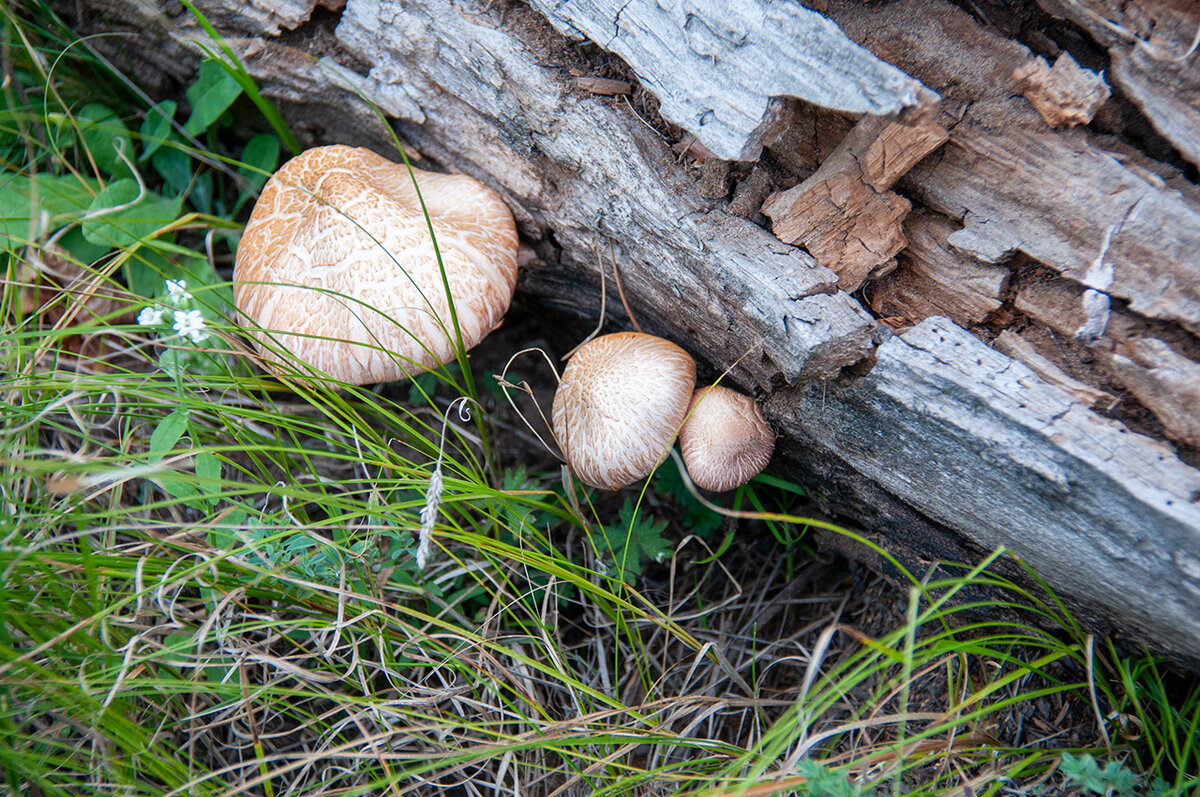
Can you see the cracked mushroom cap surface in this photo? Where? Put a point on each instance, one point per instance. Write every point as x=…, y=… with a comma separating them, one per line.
x=336, y=265
x=619, y=406
x=726, y=440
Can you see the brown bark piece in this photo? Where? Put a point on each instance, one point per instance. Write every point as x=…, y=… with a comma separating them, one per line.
x=750, y=193
x=844, y=214
x=1018, y=348
x=1167, y=383
x=606, y=87
x=934, y=279
x=1065, y=94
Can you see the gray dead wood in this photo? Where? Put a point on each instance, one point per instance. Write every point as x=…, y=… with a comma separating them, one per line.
x=1018, y=348
x=1154, y=47
x=716, y=67
x=1167, y=383
x=946, y=445
x=982, y=445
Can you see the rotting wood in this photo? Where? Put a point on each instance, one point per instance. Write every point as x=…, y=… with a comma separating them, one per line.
x=674, y=45
x=981, y=444
x=844, y=214
x=498, y=102
x=1012, y=344
x=1065, y=94
x=1153, y=45
x=1166, y=382
x=935, y=279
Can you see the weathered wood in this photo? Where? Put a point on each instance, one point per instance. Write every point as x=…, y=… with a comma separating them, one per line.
x=1167, y=383
x=1153, y=45
x=1065, y=94
x=844, y=214
x=981, y=444
x=705, y=63
x=935, y=279
x=1018, y=348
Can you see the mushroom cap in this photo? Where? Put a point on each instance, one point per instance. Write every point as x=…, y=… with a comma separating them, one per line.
x=619, y=406
x=725, y=440
x=336, y=264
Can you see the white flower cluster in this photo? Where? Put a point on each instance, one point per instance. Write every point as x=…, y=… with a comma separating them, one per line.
x=186, y=322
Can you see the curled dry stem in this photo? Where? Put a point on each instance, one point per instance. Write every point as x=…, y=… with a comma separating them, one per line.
x=433, y=494
x=504, y=384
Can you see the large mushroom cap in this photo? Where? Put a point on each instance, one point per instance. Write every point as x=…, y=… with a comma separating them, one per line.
x=337, y=247
x=725, y=440
x=619, y=406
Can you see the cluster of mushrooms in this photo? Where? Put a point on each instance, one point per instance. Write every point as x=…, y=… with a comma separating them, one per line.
x=335, y=267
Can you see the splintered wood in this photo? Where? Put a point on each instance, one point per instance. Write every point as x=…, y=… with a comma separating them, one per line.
x=1153, y=45
x=844, y=214
x=1065, y=94
x=934, y=279
x=1167, y=383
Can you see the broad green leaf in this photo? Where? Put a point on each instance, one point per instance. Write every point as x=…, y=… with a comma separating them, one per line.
x=175, y=166
x=103, y=134
x=50, y=200
x=134, y=218
x=214, y=91
x=81, y=248
x=259, y=159
x=157, y=128
x=208, y=474
x=167, y=434
x=202, y=193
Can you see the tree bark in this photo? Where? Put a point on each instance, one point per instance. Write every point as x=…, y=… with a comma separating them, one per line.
x=1072, y=239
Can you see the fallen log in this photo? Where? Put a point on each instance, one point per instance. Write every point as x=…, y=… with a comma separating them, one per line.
x=939, y=443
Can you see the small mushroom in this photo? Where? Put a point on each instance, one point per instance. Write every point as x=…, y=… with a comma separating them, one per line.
x=725, y=440
x=620, y=404
x=336, y=264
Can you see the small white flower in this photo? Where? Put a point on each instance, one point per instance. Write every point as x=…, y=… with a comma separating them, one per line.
x=190, y=323
x=150, y=316
x=177, y=292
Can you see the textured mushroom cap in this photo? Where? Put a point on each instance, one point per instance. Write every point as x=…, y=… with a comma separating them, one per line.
x=725, y=440
x=337, y=247
x=619, y=406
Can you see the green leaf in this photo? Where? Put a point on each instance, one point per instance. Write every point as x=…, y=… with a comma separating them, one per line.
x=259, y=159
x=135, y=217
x=212, y=93
x=175, y=166
x=202, y=193
x=635, y=538
x=167, y=434
x=208, y=471
x=22, y=199
x=156, y=129
x=104, y=134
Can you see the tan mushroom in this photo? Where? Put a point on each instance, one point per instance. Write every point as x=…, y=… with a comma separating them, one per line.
x=619, y=406
x=725, y=440
x=336, y=265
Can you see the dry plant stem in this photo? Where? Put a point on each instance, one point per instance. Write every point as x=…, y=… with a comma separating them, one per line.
x=621, y=291
x=433, y=495
x=504, y=384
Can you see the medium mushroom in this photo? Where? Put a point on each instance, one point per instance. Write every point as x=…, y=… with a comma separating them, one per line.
x=619, y=405
x=725, y=440
x=336, y=265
